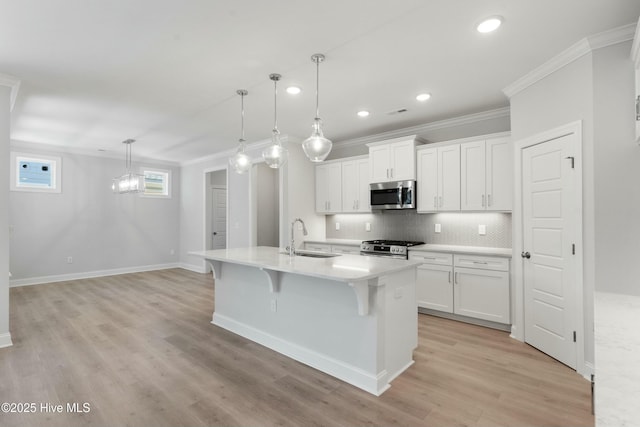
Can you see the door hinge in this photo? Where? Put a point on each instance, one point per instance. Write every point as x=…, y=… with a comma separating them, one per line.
x=573, y=161
x=574, y=336
x=573, y=249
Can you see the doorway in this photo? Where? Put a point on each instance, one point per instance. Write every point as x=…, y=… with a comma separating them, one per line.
x=548, y=235
x=216, y=210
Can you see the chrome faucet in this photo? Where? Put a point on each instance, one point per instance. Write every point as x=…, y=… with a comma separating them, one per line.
x=292, y=250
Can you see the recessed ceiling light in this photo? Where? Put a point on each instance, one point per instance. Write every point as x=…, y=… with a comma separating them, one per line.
x=490, y=24
x=293, y=90
x=423, y=97
x=363, y=113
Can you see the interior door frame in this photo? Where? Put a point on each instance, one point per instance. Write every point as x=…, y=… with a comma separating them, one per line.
x=206, y=219
x=517, y=328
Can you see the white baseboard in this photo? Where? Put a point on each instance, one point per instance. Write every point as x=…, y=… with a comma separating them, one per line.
x=374, y=384
x=193, y=267
x=5, y=340
x=90, y=274
x=589, y=369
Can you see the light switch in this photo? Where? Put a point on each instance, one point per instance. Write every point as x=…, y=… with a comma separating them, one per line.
x=482, y=229
x=438, y=228
x=337, y=226
x=367, y=226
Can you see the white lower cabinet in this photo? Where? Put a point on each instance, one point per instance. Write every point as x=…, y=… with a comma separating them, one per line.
x=466, y=285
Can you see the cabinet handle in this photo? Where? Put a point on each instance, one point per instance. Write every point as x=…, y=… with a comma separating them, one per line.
x=480, y=262
x=638, y=108
x=455, y=277
x=435, y=201
x=488, y=200
x=440, y=201
x=387, y=173
x=483, y=200
x=391, y=172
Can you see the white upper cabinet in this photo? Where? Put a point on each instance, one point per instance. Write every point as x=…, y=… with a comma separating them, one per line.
x=329, y=188
x=438, y=178
x=355, y=185
x=393, y=160
x=486, y=169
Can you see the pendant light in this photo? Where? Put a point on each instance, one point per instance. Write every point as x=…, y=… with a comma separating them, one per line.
x=241, y=161
x=317, y=147
x=275, y=155
x=129, y=182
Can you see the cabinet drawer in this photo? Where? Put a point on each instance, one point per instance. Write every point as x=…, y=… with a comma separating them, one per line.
x=438, y=258
x=481, y=262
x=320, y=247
x=345, y=249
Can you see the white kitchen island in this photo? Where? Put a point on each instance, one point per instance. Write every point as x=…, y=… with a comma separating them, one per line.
x=350, y=316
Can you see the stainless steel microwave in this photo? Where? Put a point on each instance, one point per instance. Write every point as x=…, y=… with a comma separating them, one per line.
x=393, y=195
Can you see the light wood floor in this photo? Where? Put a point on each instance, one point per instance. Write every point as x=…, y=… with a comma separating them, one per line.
x=140, y=349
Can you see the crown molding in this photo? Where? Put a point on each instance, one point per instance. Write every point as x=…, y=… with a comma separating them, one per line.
x=13, y=83
x=427, y=127
x=635, y=48
x=566, y=57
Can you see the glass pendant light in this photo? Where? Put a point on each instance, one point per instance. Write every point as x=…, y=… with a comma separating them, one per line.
x=317, y=147
x=240, y=162
x=275, y=155
x=129, y=182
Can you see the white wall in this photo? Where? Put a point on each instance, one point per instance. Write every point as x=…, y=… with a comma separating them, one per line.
x=597, y=89
x=617, y=173
x=5, y=96
x=86, y=221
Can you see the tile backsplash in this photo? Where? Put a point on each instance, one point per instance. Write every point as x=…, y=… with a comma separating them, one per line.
x=457, y=228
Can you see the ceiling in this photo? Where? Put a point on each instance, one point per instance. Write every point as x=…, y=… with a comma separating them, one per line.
x=165, y=72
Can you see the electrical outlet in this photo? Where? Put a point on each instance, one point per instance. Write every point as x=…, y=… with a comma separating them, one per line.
x=69, y=260
x=438, y=228
x=274, y=305
x=337, y=226
x=482, y=229
x=367, y=226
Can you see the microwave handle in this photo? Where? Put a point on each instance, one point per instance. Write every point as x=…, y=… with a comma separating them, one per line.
x=400, y=195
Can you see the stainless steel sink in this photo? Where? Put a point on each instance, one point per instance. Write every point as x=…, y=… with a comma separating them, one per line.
x=313, y=254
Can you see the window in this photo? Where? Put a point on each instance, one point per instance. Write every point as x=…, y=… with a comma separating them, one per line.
x=157, y=183
x=31, y=172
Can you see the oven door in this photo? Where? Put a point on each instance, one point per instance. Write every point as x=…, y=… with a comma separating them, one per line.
x=393, y=195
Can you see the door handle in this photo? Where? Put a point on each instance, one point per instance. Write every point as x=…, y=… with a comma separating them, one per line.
x=215, y=233
x=526, y=255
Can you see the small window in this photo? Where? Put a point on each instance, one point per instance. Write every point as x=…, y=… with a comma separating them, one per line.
x=37, y=173
x=157, y=183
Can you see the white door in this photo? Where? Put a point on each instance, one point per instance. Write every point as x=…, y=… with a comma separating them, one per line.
x=434, y=287
x=548, y=236
x=403, y=166
x=218, y=218
x=379, y=164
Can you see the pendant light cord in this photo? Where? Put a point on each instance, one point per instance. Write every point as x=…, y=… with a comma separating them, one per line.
x=242, y=117
x=317, y=60
x=275, y=105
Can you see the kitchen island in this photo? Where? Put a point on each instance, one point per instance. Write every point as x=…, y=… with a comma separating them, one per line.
x=350, y=316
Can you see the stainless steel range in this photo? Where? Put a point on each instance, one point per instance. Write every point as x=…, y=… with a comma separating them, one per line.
x=387, y=248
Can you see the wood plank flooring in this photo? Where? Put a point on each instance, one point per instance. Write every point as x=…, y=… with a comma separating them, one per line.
x=140, y=350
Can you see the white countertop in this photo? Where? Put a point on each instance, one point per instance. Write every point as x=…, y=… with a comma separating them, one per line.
x=347, y=242
x=617, y=350
x=344, y=268
x=474, y=250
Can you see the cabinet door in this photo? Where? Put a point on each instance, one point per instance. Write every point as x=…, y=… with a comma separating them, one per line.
x=434, y=288
x=483, y=294
x=363, y=203
x=334, y=195
x=449, y=178
x=379, y=164
x=427, y=191
x=499, y=174
x=403, y=161
x=322, y=189
x=472, y=176
x=350, y=187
